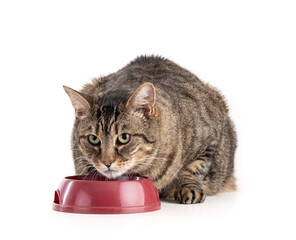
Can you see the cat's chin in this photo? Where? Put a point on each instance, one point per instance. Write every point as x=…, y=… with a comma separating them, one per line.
x=112, y=174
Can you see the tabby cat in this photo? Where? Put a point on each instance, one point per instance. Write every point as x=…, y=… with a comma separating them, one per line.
x=156, y=119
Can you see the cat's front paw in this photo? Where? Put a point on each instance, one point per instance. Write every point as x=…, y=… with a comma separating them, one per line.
x=189, y=195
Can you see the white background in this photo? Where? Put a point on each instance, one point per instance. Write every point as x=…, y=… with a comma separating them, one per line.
x=244, y=48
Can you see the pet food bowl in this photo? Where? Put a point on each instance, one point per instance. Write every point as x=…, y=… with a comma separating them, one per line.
x=95, y=194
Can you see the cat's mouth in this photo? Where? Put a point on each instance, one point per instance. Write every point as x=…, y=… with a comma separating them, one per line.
x=112, y=173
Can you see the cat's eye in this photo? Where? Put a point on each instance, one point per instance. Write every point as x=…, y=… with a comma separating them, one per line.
x=94, y=140
x=123, y=138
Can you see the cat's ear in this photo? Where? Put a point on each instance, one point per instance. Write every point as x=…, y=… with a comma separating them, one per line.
x=79, y=101
x=143, y=99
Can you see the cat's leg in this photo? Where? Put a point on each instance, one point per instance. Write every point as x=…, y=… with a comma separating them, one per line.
x=190, y=185
x=221, y=177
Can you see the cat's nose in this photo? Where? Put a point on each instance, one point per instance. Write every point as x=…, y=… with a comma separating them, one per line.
x=107, y=163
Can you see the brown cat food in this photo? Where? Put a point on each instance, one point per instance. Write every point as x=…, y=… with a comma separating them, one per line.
x=156, y=119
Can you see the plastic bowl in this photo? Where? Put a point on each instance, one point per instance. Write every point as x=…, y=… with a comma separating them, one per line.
x=95, y=194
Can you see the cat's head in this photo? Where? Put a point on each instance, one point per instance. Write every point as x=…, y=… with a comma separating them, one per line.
x=116, y=132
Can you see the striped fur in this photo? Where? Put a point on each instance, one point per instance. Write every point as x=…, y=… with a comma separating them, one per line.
x=185, y=142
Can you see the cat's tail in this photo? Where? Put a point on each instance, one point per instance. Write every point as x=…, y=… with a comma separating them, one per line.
x=230, y=184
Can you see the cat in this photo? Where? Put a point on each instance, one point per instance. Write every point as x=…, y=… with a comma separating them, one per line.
x=156, y=119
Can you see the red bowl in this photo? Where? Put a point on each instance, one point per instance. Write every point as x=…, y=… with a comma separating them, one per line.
x=98, y=195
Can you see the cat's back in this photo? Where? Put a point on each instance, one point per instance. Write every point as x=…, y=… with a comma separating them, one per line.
x=172, y=82
x=163, y=73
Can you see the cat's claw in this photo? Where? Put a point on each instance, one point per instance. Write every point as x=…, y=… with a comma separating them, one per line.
x=189, y=195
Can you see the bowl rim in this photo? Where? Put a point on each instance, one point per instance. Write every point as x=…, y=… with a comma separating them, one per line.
x=78, y=177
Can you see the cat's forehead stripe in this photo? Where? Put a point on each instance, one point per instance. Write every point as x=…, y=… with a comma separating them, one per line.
x=108, y=116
